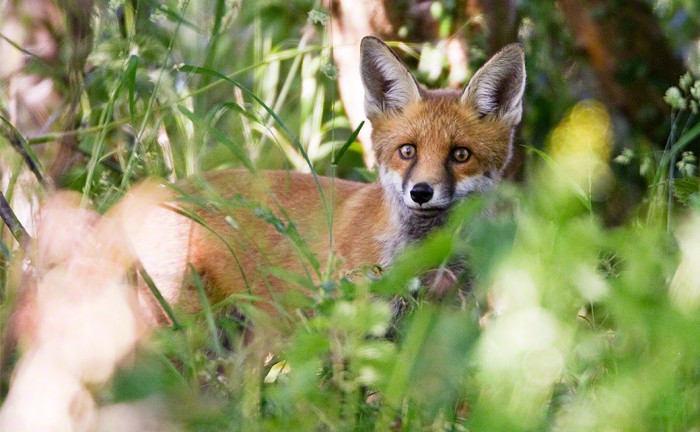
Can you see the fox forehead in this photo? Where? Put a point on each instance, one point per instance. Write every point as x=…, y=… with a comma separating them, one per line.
x=437, y=124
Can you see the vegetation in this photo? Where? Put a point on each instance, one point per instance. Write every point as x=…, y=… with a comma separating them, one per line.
x=583, y=311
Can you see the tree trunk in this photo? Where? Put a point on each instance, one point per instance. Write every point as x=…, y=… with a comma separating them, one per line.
x=499, y=21
x=350, y=22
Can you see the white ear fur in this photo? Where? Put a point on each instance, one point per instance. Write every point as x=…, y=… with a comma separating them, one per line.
x=389, y=86
x=497, y=88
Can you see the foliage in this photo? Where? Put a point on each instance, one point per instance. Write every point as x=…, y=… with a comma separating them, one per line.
x=570, y=324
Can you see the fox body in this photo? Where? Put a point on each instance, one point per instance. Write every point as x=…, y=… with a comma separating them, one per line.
x=433, y=147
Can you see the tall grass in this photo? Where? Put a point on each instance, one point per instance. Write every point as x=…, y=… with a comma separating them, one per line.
x=568, y=324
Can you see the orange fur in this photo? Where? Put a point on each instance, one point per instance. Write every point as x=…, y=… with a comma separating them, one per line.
x=235, y=260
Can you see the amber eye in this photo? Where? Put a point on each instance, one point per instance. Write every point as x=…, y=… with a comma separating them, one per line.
x=407, y=151
x=461, y=154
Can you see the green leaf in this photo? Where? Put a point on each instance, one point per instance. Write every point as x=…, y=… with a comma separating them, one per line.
x=206, y=309
x=233, y=106
x=159, y=297
x=348, y=143
x=130, y=81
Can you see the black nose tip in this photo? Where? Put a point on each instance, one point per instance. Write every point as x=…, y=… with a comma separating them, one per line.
x=421, y=193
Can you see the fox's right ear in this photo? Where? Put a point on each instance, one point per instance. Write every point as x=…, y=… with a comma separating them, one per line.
x=496, y=90
x=389, y=86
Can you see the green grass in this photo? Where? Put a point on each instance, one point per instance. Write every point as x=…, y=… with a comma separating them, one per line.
x=593, y=327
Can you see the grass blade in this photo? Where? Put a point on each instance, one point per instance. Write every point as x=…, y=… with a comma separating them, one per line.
x=20, y=144
x=130, y=81
x=159, y=297
x=10, y=219
x=348, y=143
x=206, y=309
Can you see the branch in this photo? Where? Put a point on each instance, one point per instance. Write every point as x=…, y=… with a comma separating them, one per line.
x=18, y=142
x=8, y=216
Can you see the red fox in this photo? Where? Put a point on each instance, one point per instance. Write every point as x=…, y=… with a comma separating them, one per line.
x=433, y=147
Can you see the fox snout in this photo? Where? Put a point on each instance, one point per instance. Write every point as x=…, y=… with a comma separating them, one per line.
x=432, y=191
x=421, y=193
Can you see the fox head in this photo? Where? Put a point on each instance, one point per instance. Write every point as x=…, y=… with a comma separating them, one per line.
x=435, y=147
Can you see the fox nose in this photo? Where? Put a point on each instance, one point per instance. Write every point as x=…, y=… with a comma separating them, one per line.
x=421, y=193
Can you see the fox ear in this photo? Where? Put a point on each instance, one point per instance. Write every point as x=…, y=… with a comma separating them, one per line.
x=497, y=88
x=389, y=86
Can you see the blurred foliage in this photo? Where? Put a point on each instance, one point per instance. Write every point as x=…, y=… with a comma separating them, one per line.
x=570, y=325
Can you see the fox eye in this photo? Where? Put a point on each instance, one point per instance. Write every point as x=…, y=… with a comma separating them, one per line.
x=461, y=154
x=407, y=151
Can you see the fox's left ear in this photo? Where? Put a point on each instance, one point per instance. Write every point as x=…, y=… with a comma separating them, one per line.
x=389, y=86
x=497, y=88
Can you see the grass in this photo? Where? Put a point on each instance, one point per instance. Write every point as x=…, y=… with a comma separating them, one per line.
x=590, y=327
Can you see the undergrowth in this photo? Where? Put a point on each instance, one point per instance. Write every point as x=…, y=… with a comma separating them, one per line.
x=570, y=324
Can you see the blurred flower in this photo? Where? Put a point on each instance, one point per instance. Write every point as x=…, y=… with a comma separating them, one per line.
x=78, y=317
x=514, y=288
x=522, y=356
x=582, y=144
x=625, y=157
x=437, y=10
x=590, y=284
x=317, y=16
x=157, y=17
x=586, y=129
x=329, y=70
x=457, y=59
x=675, y=98
x=403, y=32
x=685, y=82
x=662, y=7
x=687, y=166
x=695, y=90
